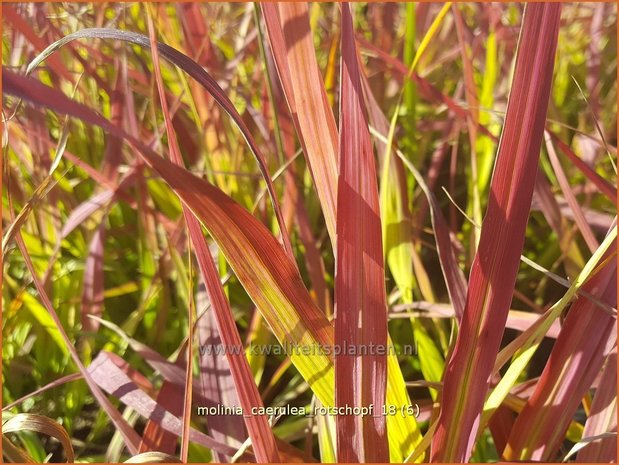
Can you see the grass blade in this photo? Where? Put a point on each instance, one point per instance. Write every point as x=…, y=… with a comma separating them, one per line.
x=360, y=299
x=602, y=184
x=156, y=438
x=21, y=24
x=454, y=277
x=472, y=120
x=432, y=94
x=290, y=37
x=494, y=269
x=521, y=350
x=603, y=416
x=259, y=261
x=579, y=217
x=131, y=438
x=398, y=234
x=153, y=457
x=14, y=453
x=217, y=384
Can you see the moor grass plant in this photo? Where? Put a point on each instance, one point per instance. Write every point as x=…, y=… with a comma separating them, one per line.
x=291, y=232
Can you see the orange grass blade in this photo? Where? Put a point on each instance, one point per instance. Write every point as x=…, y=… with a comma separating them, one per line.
x=360, y=298
x=292, y=45
x=494, y=269
x=156, y=438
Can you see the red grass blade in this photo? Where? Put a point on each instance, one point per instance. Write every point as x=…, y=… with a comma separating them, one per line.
x=603, y=417
x=602, y=184
x=360, y=299
x=171, y=372
x=494, y=269
x=176, y=158
x=540, y=428
x=83, y=211
x=472, y=99
x=201, y=196
x=516, y=319
x=196, y=33
x=544, y=200
x=258, y=427
x=290, y=37
x=113, y=150
x=454, y=277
